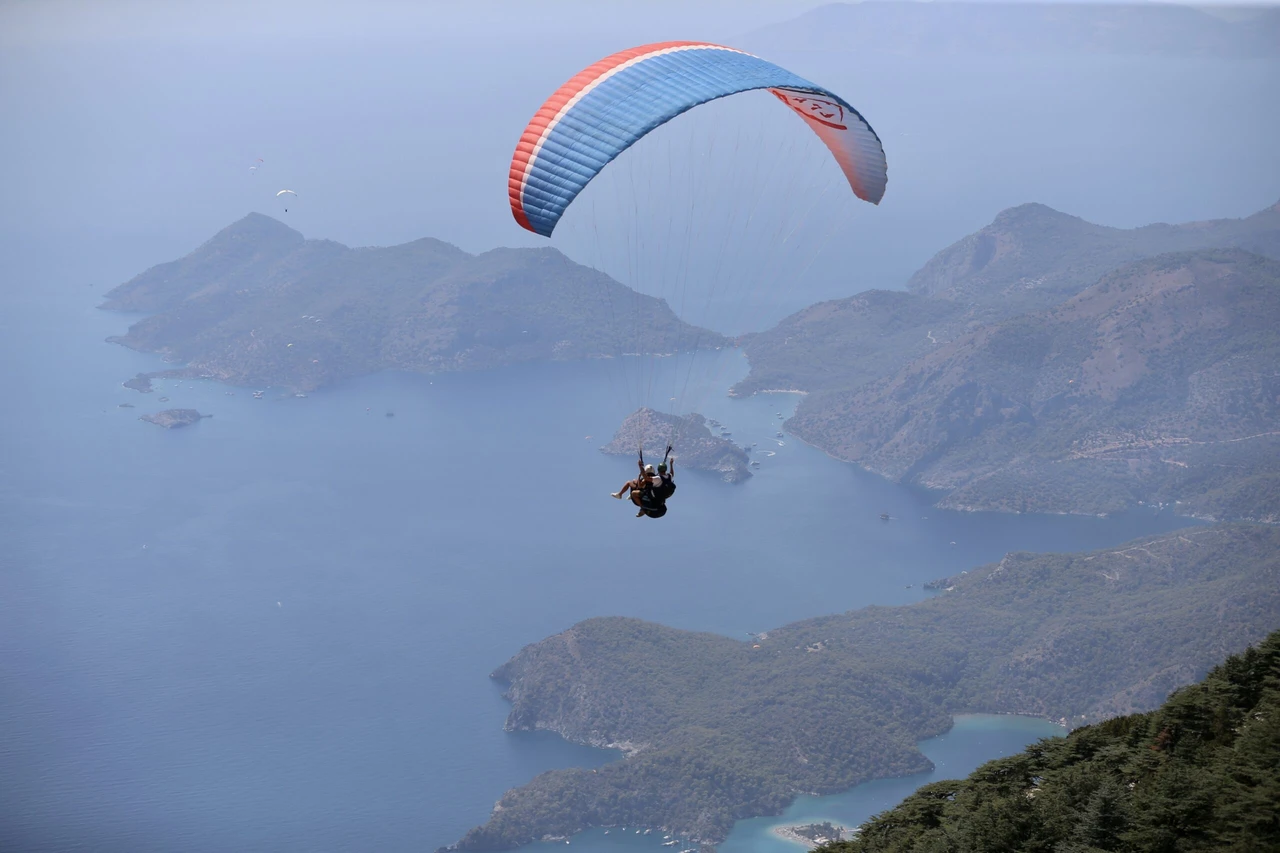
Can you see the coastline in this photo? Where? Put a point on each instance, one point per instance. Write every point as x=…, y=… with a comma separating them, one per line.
x=941, y=503
x=794, y=833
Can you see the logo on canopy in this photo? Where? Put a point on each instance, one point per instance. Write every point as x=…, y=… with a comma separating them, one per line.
x=813, y=108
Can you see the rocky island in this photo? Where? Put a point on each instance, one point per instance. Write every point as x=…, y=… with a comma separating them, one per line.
x=174, y=418
x=694, y=445
x=1047, y=364
x=715, y=729
x=259, y=305
x=140, y=383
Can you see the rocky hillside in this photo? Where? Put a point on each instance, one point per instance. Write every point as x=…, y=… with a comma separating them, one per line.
x=1158, y=384
x=1030, y=258
x=845, y=343
x=1033, y=256
x=259, y=304
x=694, y=447
x=716, y=730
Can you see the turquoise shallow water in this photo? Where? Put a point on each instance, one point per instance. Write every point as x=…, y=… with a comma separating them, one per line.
x=273, y=630
x=974, y=739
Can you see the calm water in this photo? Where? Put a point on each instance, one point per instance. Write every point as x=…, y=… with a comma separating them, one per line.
x=273, y=630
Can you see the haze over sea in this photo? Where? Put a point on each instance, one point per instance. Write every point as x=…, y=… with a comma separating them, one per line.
x=272, y=630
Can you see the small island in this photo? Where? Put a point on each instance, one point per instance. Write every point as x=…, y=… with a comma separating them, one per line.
x=174, y=418
x=141, y=382
x=694, y=445
x=813, y=835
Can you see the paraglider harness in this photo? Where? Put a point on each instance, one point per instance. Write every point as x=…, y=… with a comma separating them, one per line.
x=653, y=499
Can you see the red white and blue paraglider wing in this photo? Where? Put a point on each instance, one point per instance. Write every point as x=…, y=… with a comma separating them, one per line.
x=606, y=107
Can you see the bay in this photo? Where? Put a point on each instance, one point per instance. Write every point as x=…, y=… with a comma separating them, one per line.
x=272, y=630
x=972, y=740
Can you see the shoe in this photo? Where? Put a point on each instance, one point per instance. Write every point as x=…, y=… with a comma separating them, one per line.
x=617, y=495
x=640, y=514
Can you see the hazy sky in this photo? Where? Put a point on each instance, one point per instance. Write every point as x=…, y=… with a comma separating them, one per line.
x=131, y=125
x=64, y=20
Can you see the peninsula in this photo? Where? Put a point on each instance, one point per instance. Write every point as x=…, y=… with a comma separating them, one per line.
x=714, y=729
x=259, y=305
x=811, y=835
x=694, y=446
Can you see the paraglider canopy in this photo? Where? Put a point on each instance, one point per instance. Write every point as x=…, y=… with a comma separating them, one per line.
x=605, y=108
x=282, y=192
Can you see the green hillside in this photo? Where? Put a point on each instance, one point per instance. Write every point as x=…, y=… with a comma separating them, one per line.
x=1201, y=773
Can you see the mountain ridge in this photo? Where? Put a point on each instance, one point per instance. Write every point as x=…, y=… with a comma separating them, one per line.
x=871, y=367
x=1133, y=390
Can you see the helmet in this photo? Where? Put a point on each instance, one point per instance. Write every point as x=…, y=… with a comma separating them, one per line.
x=662, y=467
x=648, y=469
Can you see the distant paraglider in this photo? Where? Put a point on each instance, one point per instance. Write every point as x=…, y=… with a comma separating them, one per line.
x=286, y=192
x=253, y=169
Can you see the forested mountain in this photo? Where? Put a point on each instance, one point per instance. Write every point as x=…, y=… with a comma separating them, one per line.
x=1200, y=773
x=716, y=729
x=259, y=304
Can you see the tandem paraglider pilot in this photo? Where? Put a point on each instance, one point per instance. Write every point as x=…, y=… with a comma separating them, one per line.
x=649, y=491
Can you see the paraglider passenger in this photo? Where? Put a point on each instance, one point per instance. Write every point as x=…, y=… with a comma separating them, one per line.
x=642, y=487
x=649, y=491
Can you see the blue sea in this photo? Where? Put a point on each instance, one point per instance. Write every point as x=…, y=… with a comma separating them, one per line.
x=273, y=630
